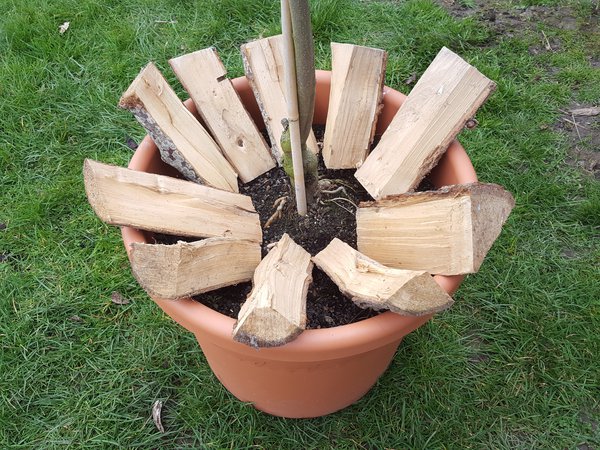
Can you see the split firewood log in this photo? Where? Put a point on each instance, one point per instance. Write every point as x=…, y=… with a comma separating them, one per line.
x=435, y=111
x=446, y=232
x=190, y=268
x=275, y=311
x=168, y=205
x=372, y=285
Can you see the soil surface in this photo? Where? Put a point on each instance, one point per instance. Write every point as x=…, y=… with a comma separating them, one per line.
x=333, y=215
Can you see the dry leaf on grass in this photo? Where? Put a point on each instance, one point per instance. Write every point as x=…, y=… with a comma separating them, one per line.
x=118, y=299
x=156, y=411
x=64, y=27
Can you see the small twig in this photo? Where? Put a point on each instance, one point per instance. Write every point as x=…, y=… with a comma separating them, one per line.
x=576, y=127
x=346, y=200
x=171, y=22
x=574, y=123
x=548, y=46
x=343, y=207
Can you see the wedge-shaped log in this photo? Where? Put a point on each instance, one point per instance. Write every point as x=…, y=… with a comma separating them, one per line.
x=163, y=204
x=275, y=311
x=373, y=285
x=357, y=75
x=204, y=77
x=444, y=232
x=190, y=268
x=263, y=64
x=444, y=98
x=182, y=140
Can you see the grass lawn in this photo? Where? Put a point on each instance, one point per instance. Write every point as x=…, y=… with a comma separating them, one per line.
x=514, y=364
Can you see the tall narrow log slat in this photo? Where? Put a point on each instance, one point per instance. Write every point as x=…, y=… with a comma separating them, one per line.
x=263, y=64
x=357, y=76
x=204, y=77
x=181, y=139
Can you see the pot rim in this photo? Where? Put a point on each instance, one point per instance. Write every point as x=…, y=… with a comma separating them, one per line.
x=313, y=344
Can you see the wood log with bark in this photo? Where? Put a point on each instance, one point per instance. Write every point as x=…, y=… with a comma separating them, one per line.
x=275, y=311
x=357, y=76
x=168, y=205
x=182, y=141
x=446, y=232
x=263, y=64
x=372, y=285
x=204, y=77
x=190, y=268
x=436, y=110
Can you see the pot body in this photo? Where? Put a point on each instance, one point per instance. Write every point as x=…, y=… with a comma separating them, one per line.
x=322, y=371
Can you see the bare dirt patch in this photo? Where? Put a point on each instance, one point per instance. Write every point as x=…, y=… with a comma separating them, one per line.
x=583, y=134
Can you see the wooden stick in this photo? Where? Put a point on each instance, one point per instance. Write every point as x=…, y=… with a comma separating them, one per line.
x=182, y=141
x=446, y=232
x=163, y=204
x=263, y=64
x=357, y=76
x=190, y=268
x=292, y=103
x=372, y=285
x=436, y=110
x=204, y=77
x=275, y=311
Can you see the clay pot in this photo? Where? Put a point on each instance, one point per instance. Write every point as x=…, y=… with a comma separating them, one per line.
x=324, y=370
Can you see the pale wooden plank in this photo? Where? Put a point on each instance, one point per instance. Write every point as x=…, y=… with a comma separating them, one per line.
x=190, y=268
x=275, y=311
x=263, y=64
x=181, y=139
x=446, y=96
x=204, y=77
x=168, y=205
x=357, y=76
x=372, y=285
x=446, y=232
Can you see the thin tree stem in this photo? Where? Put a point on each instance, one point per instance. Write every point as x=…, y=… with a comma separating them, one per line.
x=292, y=104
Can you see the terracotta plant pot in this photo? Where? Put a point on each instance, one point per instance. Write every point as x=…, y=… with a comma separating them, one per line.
x=323, y=370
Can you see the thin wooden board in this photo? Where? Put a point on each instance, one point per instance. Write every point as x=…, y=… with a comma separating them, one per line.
x=204, y=77
x=357, y=77
x=446, y=232
x=163, y=204
x=372, y=285
x=275, y=311
x=190, y=268
x=182, y=140
x=447, y=95
x=263, y=64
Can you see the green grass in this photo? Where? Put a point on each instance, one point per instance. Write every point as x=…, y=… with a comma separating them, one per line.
x=514, y=364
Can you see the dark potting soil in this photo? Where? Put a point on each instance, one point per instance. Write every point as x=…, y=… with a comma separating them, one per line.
x=333, y=215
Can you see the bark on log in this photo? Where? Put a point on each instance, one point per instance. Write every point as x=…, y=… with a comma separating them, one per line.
x=182, y=141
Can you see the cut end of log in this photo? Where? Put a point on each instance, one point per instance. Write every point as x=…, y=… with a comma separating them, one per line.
x=447, y=232
x=275, y=311
x=370, y=284
x=190, y=268
x=130, y=100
